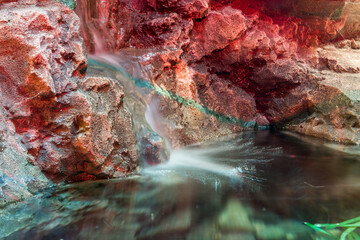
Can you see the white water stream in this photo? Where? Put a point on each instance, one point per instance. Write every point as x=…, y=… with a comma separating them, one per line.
x=144, y=107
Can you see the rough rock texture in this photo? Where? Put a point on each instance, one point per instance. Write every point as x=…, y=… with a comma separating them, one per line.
x=259, y=63
x=74, y=128
x=151, y=147
x=18, y=177
x=215, y=32
x=336, y=114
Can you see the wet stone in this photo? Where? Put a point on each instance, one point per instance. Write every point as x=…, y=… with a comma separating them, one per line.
x=235, y=217
x=207, y=230
x=177, y=223
x=269, y=232
x=158, y=207
x=237, y=236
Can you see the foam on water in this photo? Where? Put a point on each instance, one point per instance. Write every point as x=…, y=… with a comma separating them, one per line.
x=231, y=159
x=199, y=160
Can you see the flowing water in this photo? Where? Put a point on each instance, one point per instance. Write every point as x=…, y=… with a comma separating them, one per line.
x=257, y=185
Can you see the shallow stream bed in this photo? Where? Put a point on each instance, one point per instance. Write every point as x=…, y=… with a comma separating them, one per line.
x=258, y=185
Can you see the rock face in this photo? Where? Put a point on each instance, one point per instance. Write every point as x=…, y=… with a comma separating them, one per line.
x=258, y=63
x=74, y=127
x=336, y=114
x=18, y=178
x=217, y=67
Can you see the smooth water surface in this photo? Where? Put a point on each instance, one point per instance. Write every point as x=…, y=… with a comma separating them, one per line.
x=261, y=185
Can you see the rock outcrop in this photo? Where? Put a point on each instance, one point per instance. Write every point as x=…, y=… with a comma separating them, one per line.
x=336, y=114
x=72, y=127
x=18, y=177
x=256, y=63
x=215, y=67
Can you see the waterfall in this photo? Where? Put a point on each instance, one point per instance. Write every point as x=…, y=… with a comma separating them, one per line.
x=141, y=99
x=152, y=147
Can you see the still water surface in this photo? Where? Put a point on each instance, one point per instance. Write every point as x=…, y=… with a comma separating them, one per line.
x=259, y=185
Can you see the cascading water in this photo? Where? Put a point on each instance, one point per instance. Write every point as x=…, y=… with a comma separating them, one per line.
x=123, y=67
x=143, y=104
x=255, y=185
x=200, y=200
x=141, y=98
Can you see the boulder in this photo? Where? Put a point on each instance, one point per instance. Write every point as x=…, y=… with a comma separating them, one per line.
x=242, y=61
x=215, y=32
x=75, y=128
x=350, y=12
x=19, y=179
x=335, y=111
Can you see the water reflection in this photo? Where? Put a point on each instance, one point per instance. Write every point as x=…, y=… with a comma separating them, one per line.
x=284, y=182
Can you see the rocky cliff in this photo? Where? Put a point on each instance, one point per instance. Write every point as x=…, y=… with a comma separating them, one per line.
x=284, y=64
x=52, y=117
x=216, y=67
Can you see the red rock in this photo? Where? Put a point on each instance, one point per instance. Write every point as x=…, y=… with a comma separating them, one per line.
x=266, y=48
x=215, y=32
x=350, y=13
x=112, y=25
x=161, y=30
x=74, y=128
x=187, y=8
x=18, y=178
x=233, y=102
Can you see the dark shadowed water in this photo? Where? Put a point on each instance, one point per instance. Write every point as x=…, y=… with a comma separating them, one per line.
x=261, y=185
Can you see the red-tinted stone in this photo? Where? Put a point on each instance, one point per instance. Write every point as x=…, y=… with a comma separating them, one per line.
x=268, y=49
x=71, y=125
x=215, y=32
